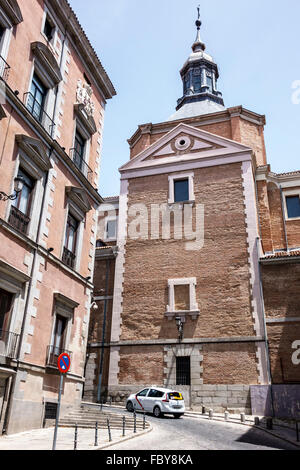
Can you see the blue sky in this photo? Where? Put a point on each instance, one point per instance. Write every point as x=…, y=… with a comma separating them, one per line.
x=143, y=45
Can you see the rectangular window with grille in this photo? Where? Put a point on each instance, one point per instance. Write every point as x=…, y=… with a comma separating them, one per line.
x=183, y=371
x=50, y=410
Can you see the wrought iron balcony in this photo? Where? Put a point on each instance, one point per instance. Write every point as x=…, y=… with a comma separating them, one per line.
x=8, y=344
x=53, y=354
x=4, y=69
x=38, y=112
x=18, y=220
x=68, y=258
x=82, y=165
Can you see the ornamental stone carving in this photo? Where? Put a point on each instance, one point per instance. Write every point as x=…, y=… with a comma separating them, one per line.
x=84, y=96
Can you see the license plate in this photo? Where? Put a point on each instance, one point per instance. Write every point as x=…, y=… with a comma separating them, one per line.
x=177, y=406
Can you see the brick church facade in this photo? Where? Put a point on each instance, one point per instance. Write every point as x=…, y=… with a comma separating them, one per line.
x=215, y=315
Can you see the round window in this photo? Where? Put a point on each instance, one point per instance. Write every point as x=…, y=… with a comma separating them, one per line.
x=183, y=143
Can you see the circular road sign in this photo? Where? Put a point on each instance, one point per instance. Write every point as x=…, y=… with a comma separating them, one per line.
x=64, y=363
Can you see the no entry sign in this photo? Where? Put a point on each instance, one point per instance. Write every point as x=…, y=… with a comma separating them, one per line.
x=64, y=363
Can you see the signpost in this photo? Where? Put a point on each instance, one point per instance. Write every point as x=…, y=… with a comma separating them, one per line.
x=63, y=364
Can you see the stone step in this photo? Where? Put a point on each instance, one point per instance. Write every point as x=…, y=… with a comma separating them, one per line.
x=64, y=420
x=90, y=426
x=77, y=413
x=99, y=416
x=101, y=425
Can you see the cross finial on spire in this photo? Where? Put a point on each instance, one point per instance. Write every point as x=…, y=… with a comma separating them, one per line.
x=198, y=44
x=198, y=22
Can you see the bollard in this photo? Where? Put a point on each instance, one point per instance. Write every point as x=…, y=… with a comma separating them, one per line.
x=269, y=423
x=256, y=421
x=226, y=414
x=203, y=410
x=243, y=418
x=96, y=435
x=134, y=422
x=124, y=425
x=144, y=421
x=211, y=414
x=75, y=437
x=109, y=431
x=297, y=431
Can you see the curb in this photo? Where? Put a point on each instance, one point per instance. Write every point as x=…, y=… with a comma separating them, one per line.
x=289, y=441
x=106, y=446
x=196, y=415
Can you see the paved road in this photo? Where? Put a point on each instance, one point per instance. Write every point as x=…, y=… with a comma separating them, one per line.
x=197, y=434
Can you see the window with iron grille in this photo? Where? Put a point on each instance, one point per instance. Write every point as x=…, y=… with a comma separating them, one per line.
x=50, y=410
x=183, y=371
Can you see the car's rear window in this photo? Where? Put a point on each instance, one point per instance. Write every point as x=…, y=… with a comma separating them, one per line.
x=175, y=396
x=155, y=394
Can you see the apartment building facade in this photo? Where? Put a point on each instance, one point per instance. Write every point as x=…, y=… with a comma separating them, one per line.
x=216, y=317
x=53, y=95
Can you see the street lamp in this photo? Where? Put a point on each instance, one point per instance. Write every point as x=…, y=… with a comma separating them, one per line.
x=18, y=186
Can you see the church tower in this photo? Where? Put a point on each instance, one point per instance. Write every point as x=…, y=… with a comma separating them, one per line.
x=199, y=77
x=183, y=313
x=199, y=318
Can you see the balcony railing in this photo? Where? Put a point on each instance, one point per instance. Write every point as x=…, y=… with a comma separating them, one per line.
x=4, y=69
x=8, y=344
x=53, y=354
x=18, y=220
x=82, y=165
x=38, y=112
x=68, y=258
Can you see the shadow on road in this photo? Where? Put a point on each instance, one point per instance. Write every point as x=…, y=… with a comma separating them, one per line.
x=258, y=438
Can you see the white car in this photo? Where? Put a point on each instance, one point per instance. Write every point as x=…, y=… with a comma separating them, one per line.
x=158, y=401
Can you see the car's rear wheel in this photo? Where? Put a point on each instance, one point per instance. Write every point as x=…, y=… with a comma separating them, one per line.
x=157, y=412
x=129, y=407
x=177, y=415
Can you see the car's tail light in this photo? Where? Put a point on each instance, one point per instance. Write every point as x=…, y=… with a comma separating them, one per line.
x=166, y=399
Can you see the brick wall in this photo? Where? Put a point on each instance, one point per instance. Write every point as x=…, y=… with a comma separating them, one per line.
x=221, y=269
x=229, y=364
x=281, y=286
x=141, y=365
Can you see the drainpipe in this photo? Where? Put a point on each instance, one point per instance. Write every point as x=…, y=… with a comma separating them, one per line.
x=103, y=332
x=12, y=390
x=283, y=217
